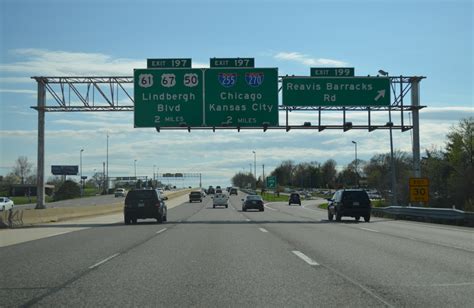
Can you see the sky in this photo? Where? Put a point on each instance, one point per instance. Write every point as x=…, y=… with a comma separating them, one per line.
x=111, y=38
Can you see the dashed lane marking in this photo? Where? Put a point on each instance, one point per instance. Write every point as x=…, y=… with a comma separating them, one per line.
x=305, y=258
x=103, y=261
x=263, y=230
x=371, y=230
x=162, y=230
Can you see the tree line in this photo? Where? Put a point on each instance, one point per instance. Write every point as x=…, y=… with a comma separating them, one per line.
x=449, y=170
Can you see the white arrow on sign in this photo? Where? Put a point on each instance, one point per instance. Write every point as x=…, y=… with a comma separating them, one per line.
x=380, y=94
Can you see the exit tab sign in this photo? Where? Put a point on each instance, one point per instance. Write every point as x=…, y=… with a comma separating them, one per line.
x=332, y=72
x=169, y=63
x=232, y=62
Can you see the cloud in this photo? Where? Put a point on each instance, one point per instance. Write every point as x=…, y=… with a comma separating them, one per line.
x=18, y=91
x=43, y=62
x=306, y=60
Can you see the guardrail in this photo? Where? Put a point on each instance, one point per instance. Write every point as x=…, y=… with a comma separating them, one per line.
x=444, y=215
x=11, y=218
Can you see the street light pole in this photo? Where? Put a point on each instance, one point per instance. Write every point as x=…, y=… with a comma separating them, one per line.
x=356, y=170
x=392, y=160
x=80, y=163
x=107, y=161
x=135, y=167
x=255, y=167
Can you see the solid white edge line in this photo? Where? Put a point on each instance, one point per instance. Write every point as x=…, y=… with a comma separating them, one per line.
x=247, y=219
x=59, y=233
x=263, y=230
x=367, y=229
x=305, y=258
x=162, y=230
x=103, y=261
x=269, y=207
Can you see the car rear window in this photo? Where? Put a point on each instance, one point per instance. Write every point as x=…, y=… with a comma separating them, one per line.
x=141, y=194
x=355, y=196
x=196, y=194
x=254, y=197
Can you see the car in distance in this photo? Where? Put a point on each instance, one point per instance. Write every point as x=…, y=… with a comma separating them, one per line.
x=218, y=191
x=195, y=196
x=120, y=192
x=233, y=191
x=211, y=190
x=144, y=203
x=294, y=199
x=6, y=204
x=252, y=202
x=220, y=199
x=349, y=202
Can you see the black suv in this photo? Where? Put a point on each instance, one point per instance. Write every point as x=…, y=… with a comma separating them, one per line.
x=195, y=196
x=294, y=199
x=349, y=202
x=233, y=191
x=144, y=203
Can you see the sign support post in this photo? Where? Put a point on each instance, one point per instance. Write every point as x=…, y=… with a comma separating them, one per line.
x=40, y=168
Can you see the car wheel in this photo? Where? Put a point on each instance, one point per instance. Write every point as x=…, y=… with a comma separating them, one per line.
x=367, y=218
x=165, y=218
x=261, y=209
x=213, y=206
x=338, y=216
x=134, y=221
x=3, y=208
x=330, y=216
x=289, y=204
x=226, y=206
x=244, y=209
x=159, y=219
x=126, y=219
x=357, y=218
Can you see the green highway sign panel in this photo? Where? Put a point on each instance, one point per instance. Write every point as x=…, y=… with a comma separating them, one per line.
x=232, y=62
x=335, y=91
x=169, y=63
x=271, y=182
x=243, y=97
x=168, y=97
x=332, y=72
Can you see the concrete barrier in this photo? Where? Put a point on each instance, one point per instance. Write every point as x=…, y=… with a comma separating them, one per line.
x=27, y=217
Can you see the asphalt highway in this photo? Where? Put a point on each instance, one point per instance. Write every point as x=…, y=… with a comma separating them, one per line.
x=286, y=256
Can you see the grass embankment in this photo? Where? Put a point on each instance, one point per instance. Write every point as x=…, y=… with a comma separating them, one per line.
x=273, y=197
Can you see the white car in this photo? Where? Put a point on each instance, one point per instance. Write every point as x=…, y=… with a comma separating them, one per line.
x=220, y=199
x=6, y=204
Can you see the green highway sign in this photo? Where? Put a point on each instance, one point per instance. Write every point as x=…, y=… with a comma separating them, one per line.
x=232, y=62
x=241, y=97
x=168, y=97
x=332, y=72
x=271, y=182
x=335, y=91
x=169, y=63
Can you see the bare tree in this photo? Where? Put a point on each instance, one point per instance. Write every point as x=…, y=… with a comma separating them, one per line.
x=22, y=168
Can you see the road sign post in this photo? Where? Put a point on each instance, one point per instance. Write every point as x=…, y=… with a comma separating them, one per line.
x=241, y=97
x=168, y=97
x=419, y=190
x=335, y=91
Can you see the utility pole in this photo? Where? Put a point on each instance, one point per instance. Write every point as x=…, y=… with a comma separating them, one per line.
x=107, y=160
